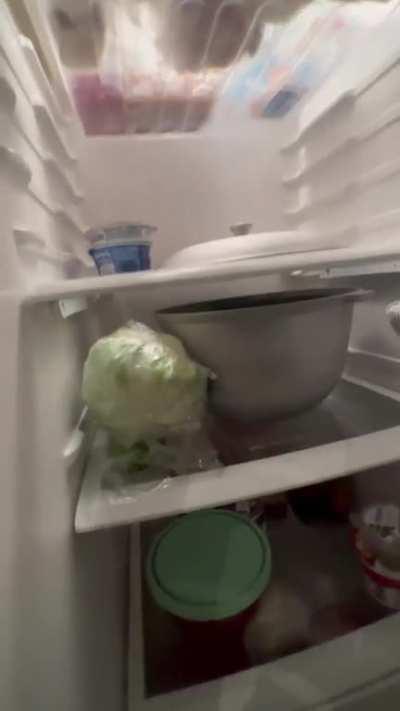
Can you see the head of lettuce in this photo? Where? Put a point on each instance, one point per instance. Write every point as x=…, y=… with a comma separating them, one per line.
x=138, y=384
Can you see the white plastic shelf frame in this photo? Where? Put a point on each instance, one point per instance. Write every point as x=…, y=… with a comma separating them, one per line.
x=341, y=169
x=355, y=428
x=156, y=284
x=353, y=671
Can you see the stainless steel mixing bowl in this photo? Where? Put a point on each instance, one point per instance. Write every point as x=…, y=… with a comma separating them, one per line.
x=273, y=354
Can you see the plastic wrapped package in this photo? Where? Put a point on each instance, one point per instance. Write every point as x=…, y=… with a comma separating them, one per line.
x=147, y=398
x=149, y=464
x=126, y=83
x=295, y=59
x=377, y=540
x=139, y=383
x=138, y=66
x=99, y=102
x=280, y=625
x=168, y=101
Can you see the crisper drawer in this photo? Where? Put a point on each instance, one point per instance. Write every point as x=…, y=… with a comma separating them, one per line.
x=318, y=565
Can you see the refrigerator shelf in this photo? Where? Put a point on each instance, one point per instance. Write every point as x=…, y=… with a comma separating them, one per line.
x=319, y=565
x=355, y=428
x=156, y=280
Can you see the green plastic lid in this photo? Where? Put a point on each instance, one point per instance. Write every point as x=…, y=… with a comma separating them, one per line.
x=209, y=565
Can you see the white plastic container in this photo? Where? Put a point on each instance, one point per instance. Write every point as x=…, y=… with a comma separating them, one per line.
x=377, y=539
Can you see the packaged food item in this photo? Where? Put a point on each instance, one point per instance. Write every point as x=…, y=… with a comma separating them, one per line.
x=377, y=540
x=279, y=625
x=208, y=569
x=294, y=58
x=139, y=383
x=99, y=103
x=339, y=619
x=266, y=511
x=120, y=247
x=117, y=232
x=143, y=102
x=129, y=472
x=327, y=502
x=118, y=258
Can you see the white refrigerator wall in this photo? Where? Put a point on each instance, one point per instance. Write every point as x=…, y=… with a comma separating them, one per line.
x=63, y=599
x=63, y=611
x=192, y=187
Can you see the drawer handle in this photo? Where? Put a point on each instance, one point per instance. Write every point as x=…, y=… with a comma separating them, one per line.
x=15, y=165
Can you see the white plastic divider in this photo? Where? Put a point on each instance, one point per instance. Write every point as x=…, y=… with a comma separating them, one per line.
x=69, y=218
x=369, y=84
x=312, y=196
x=37, y=247
x=14, y=166
x=301, y=167
x=76, y=440
x=25, y=65
x=11, y=50
x=66, y=214
x=34, y=219
x=70, y=182
x=45, y=88
x=341, y=168
x=17, y=137
x=48, y=125
x=35, y=123
x=344, y=144
x=7, y=96
x=43, y=185
x=384, y=65
x=312, y=116
x=305, y=204
x=19, y=265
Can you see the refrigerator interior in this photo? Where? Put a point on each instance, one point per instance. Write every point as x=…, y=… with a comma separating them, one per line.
x=77, y=626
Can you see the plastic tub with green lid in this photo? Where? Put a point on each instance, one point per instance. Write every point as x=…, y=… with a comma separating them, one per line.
x=208, y=569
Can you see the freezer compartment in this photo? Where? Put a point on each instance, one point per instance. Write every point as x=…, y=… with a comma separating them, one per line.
x=355, y=428
x=321, y=571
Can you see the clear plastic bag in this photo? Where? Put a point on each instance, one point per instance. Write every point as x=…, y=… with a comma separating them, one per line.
x=140, y=384
x=295, y=59
x=151, y=464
